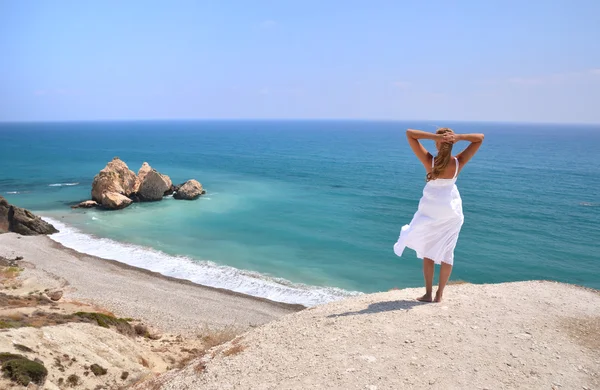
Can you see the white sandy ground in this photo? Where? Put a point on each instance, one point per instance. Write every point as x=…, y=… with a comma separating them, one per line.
x=169, y=304
x=525, y=335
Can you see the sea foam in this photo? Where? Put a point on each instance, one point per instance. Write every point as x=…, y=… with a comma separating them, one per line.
x=62, y=184
x=202, y=272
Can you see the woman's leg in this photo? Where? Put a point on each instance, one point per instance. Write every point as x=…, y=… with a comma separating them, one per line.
x=445, y=271
x=428, y=268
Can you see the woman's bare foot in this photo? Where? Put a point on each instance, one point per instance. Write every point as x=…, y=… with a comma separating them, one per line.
x=438, y=297
x=425, y=298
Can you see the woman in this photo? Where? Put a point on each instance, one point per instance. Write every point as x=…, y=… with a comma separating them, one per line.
x=434, y=229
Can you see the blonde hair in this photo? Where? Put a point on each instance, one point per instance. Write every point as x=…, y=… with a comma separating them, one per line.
x=442, y=160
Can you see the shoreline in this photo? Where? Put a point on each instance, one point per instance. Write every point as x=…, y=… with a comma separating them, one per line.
x=198, y=271
x=61, y=247
x=169, y=304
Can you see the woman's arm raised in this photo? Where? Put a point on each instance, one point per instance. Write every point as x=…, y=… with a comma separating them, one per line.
x=469, y=152
x=422, y=154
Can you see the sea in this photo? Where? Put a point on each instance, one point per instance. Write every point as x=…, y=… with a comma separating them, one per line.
x=308, y=211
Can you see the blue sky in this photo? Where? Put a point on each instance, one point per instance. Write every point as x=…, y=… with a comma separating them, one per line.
x=456, y=60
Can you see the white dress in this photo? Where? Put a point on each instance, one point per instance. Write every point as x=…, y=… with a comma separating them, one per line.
x=434, y=229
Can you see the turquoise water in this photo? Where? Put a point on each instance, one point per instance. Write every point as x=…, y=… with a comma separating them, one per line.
x=308, y=211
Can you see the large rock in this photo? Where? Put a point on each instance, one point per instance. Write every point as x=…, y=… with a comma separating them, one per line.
x=168, y=182
x=18, y=220
x=191, y=189
x=115, y=201
x=142, y=174
x=116, y=177
x=152, y=185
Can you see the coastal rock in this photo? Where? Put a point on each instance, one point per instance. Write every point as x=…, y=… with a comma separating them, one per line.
x=115, y=201
x=88, y=204
x=4, y=223
x=142, y=174
x=168, y=182
x=171, y=190
x=151, y=184
x=116, y=177
x=190, y=190
x=19, y=220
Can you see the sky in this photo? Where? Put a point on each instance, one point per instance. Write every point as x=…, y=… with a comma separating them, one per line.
x=517, y=61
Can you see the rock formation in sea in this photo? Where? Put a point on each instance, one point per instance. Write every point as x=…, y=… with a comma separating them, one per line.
x=116, y=187
x=152, y=185
x=190, y=190
x=18, y=220
x=115, y=178
x=115, y=201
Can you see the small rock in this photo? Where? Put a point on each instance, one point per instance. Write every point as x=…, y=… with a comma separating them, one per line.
x=189, y=190
x=88, y=204
x=55, y=295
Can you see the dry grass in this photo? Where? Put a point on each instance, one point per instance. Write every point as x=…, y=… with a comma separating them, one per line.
x=212, y=338
x=16, y=316
x=40, y=318
x=234, y=350
x=13, y=302
x=10, y=272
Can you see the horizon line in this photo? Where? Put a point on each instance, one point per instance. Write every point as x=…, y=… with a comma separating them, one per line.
x=293, y=120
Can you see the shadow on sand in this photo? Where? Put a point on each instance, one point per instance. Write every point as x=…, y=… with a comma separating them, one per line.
x=382, y=307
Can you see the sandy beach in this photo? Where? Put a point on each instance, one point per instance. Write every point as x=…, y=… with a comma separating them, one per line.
x=135, y=323
x=169, y=304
